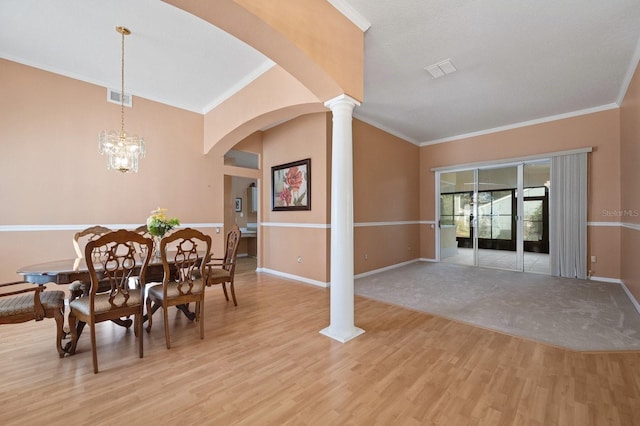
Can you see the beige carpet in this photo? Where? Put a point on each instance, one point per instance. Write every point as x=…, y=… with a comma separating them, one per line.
x=576, y=314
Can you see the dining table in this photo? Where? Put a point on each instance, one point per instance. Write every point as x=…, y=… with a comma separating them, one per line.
x=66, y=271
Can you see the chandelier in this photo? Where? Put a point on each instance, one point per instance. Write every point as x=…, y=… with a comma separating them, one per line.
x=123, y=151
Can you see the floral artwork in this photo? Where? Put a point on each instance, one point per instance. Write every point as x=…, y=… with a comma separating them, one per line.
x=159, y=224
x=291, y=186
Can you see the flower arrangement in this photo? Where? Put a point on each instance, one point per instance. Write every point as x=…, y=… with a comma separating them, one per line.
x=159, y=224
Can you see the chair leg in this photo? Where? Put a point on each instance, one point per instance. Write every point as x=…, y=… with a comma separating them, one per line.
x=136, y=325
x=224, y=288
x=200, y=310
x=138, y=321
x=126, y=323
x=233, y=293
x=166, y=325
x=94, y=349
x=71, y=346
x=149, y=315
x=58, y=315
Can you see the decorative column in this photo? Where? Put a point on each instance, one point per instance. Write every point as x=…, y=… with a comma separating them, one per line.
x=341, y=327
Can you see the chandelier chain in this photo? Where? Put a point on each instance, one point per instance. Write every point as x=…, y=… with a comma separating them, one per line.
x=122, y=87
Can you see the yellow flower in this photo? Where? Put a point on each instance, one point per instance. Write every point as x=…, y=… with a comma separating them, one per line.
x=158, y=224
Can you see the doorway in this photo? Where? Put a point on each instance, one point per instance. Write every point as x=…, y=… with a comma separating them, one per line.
x=242, y=205
x=496, y=216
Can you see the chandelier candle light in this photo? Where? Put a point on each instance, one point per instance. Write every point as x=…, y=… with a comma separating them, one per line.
x=123, y=150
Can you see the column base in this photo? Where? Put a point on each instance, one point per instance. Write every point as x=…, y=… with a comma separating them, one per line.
x=342, y=336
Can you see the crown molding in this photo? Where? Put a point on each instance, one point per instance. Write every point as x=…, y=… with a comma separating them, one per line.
x=351, y=14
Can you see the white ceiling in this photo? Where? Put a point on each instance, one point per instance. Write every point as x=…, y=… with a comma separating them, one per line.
x=516, y=61
x=171, y=56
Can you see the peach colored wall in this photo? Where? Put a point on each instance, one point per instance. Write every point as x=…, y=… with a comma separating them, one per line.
x=386, y=176
x=283, y=246
x=323, y=33
x=386, y=180
x=599, y=130
x=273, y=97
x=300, y=138
x=629, y=181
x=376, y=247
x=52, y=173
x=252, y=143
x=604, y=243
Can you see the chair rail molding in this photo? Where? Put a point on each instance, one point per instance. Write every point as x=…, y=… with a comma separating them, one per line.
x=41, y=228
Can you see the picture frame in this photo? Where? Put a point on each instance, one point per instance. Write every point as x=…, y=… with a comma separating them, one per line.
x=291, y=186
x=238, y=204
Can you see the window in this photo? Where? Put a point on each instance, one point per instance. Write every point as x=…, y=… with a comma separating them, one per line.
x=455, y=210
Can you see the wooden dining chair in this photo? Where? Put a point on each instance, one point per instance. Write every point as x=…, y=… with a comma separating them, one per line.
x=144, y=231
x=222, y=270
x=80, y=240
x=189, y=259
x=120, y=260
x=32, y=303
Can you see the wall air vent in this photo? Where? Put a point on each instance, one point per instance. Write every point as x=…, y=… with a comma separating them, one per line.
x=113, y=96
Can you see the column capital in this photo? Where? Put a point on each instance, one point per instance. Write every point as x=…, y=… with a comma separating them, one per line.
x=341, y=100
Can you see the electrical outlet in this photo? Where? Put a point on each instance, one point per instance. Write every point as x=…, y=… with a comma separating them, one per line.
x=594, y=259
x=299, y=259
x=217, y=230
x=366, y=256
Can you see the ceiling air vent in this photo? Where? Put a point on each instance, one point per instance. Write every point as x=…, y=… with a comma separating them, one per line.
x=441, y=68
x=114, y=96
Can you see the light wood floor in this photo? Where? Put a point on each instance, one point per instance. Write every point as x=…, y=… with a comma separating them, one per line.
x=265, y=363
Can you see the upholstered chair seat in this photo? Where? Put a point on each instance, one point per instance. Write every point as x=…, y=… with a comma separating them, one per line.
x=102, y=302
x=23, y=304
x=156, y=291
x=33, y=304
x=219, y=274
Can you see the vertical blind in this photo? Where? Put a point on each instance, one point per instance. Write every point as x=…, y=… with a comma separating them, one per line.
x=568, y=216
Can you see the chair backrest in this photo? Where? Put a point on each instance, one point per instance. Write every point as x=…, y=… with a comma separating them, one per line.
x=113, y=258
x=144, y=231
x=191, y=254
x=81, y=238
x=231, y=252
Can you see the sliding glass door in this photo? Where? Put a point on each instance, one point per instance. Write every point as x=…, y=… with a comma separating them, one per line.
x=535, y=217
x=497, y=223
x=456, y=216
x=496, y=217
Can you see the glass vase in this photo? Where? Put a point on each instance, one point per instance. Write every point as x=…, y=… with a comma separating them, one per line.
x=157, y=256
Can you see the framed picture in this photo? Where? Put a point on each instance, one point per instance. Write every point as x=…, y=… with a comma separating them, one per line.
x=238, y=204
x=291, y=186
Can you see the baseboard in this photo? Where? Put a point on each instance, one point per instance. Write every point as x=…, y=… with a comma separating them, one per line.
x=424, y=259
x=293, y=277
x=386, y=268
x=624, y=287
x=630, y=296
x=326, y=285
x=606, y=280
